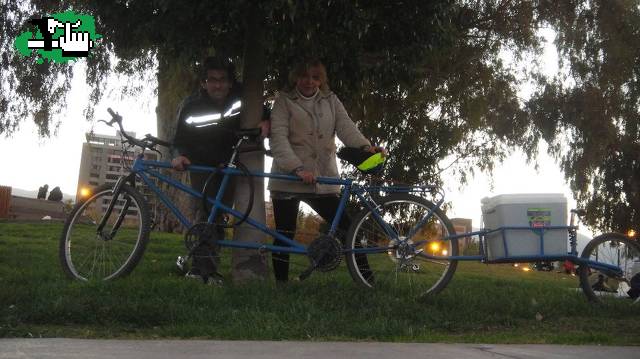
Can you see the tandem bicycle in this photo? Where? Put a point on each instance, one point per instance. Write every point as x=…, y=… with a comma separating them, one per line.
x=400, y=239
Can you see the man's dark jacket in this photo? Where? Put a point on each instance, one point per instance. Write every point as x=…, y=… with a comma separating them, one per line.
x=203, y=141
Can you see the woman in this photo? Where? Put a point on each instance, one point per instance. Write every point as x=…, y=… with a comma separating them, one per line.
x=304, y=122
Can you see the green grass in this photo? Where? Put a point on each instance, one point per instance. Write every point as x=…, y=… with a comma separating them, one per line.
x=488, y=304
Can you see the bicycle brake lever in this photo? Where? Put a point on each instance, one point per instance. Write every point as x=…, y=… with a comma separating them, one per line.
x=156, y=151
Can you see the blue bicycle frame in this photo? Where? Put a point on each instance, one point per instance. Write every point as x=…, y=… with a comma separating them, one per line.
x=571, y=256
x=146, y=169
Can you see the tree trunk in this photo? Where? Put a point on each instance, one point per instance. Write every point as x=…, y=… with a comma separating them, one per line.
x=173, y=86
x=250, y=264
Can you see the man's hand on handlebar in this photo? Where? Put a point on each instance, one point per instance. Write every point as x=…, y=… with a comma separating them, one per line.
x=265, y=128
x=180, y=163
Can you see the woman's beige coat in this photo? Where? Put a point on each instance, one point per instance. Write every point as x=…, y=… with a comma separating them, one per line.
x=300, y=138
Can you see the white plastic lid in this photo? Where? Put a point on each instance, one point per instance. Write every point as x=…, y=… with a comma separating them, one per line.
x=489, y=203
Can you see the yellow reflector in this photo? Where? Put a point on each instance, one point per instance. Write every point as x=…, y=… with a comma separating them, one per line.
x=371, y=162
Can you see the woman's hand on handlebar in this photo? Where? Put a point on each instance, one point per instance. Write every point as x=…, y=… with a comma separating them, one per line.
x=376, y=149
x=307, y=176
x=180, y=163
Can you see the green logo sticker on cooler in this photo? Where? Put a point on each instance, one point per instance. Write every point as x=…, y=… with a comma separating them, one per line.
x=539, y=217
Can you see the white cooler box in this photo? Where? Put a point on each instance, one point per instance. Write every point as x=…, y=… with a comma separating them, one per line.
x=532, y=210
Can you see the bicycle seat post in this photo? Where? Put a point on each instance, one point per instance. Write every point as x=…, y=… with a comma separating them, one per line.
x=235, y=151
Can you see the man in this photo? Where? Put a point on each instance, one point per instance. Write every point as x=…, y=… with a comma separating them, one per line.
x=204, y=136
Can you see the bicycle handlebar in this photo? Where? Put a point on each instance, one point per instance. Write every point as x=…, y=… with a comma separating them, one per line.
x=157, y=141
x=150, y=141
x=147, y=142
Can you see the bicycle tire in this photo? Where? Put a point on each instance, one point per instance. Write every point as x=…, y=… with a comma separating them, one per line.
x=421, y=276
x=207, y=207
x=611, y=248
x=86, y=254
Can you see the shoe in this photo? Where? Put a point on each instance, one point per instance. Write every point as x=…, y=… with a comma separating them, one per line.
x=213, y=279
x=192, y=274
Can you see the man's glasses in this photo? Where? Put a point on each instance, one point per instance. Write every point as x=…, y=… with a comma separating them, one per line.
x=210, y=80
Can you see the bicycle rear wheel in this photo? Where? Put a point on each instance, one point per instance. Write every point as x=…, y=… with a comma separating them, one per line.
x=616, y=249
x=399, y=264
x=89, y=253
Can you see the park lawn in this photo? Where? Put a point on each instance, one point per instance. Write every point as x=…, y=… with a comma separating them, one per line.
x=482, y=304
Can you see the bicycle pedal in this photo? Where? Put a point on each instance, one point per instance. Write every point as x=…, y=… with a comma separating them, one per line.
x=181, y=262
x=307, y=272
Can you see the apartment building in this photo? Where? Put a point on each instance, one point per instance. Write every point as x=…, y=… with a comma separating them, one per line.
x=463, y=225
x=102, y=162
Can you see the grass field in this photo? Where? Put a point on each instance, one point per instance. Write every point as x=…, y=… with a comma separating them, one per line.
x=488, y=304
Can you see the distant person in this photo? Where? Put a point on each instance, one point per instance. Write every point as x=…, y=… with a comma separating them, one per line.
x=569, y=267
x=55, y=195
x=634, y=292
x=42, y=191
x=599, y=282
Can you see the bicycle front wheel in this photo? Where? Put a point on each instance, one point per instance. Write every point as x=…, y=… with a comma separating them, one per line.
x=102, y=244
x=418, y=264
x=615, y=249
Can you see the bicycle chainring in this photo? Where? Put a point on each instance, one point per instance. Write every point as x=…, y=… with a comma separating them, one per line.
x=325, y=253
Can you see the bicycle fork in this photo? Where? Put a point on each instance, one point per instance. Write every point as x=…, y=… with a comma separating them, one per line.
x=125, y=208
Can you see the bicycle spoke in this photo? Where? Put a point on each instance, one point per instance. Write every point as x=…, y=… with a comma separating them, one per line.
x=430, y=260
x=88, y=255
x=86, y=259
x=401, y=265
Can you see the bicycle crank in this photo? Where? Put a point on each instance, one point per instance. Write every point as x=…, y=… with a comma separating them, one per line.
x=324, y=253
